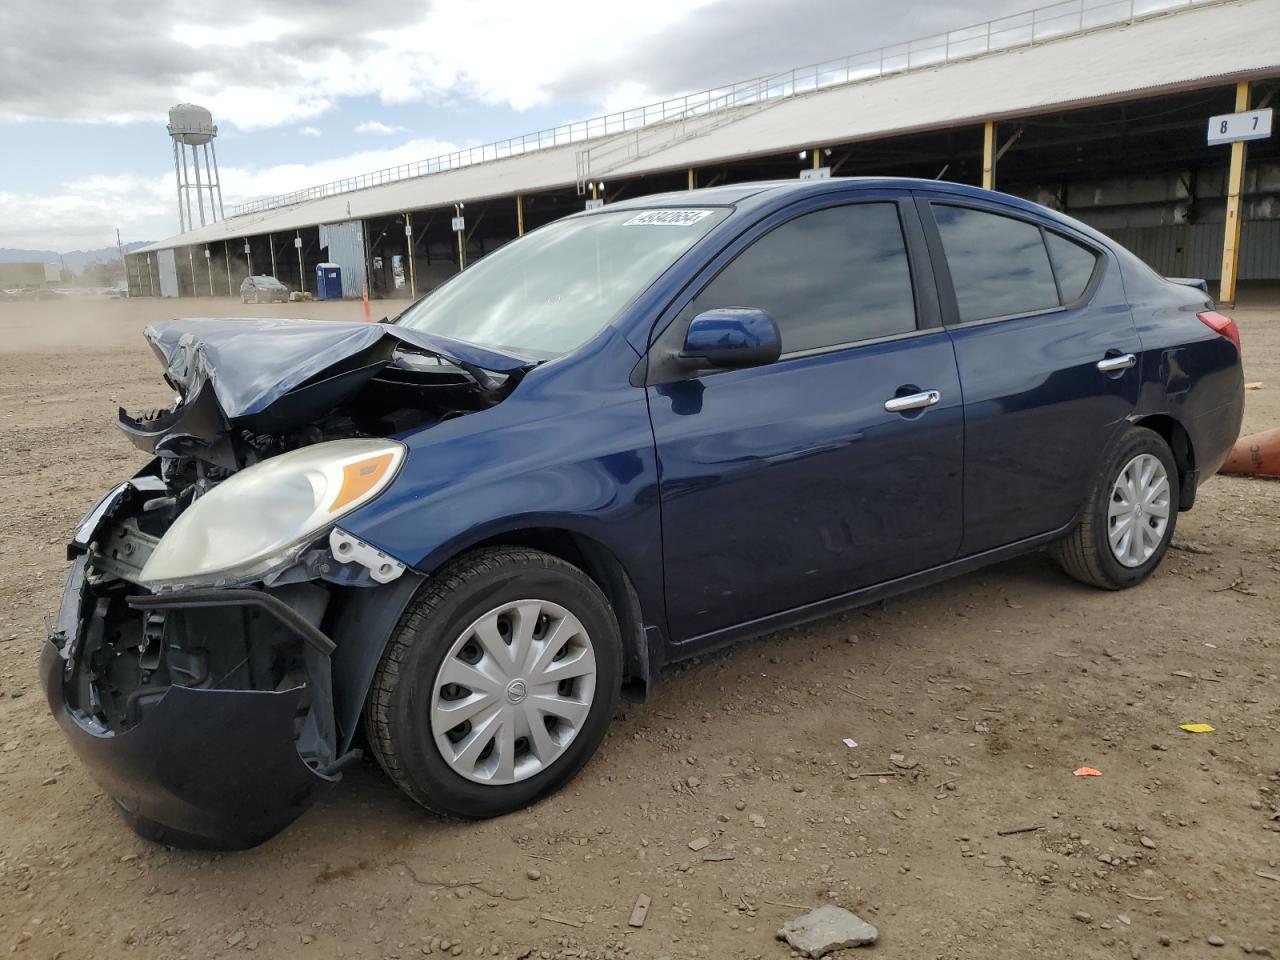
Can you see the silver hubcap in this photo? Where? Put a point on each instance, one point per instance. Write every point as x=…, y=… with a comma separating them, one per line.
x=1138, y=514
x=513, y=691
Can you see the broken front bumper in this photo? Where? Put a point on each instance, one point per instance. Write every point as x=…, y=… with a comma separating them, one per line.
x=203, y=767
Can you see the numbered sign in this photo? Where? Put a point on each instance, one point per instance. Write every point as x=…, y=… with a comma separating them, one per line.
x=818, y=173
x=594, y=204
x=459, y=224
x=1233, y=127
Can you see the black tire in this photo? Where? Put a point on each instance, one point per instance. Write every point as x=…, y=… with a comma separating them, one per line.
x=1085, y=553
x=397, y=713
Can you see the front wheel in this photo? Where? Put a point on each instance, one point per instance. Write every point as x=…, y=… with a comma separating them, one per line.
x=497, y=685
x=1129, y=518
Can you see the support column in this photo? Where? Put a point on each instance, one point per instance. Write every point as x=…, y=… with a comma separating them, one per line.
x=519, y=214
x=408, y=247
x=226, y=252
x=693, y=180
x=177, y=175
x=195, y=163
x=817, y=157
x=1231, y=232
x=989, y=155
x=458, y=209
x=302, y=274
x=186, y=187
x=271, y=242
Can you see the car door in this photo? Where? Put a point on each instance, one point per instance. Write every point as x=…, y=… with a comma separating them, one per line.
x=790, y=483
x=1046, y=348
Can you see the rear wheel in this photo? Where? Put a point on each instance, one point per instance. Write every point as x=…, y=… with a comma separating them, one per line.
x=497, y=685
x=1129, y=518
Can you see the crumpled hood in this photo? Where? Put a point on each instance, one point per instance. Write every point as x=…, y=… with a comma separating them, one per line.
x=251, y=364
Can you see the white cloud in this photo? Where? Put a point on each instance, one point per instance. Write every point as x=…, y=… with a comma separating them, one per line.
x=84, y=213
x=240, y=35
x=378, y=127
x=310, y=131
x=280, y=69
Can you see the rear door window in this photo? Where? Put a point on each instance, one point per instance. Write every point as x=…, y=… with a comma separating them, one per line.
x=829, y=277
x=999, y=265
x=1073, y=264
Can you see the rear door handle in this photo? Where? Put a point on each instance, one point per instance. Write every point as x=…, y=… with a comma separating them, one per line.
x=912, y=401
x=1113, y=364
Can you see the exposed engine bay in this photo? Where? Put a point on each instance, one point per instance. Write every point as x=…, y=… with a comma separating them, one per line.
x=384, y=389
x=125, y=644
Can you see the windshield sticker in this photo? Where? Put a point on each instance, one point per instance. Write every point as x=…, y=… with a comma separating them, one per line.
x=667, y=218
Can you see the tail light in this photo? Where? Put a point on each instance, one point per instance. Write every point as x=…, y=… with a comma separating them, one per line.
x=1222, y=325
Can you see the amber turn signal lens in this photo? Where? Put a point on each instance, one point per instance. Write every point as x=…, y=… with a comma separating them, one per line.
x=359, y=478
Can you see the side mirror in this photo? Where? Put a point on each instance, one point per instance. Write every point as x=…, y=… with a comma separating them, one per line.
x=732, y=337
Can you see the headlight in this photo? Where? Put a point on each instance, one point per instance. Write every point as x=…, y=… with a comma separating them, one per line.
x=265, y=515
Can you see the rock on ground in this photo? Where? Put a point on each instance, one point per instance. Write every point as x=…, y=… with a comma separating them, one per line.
x=827, y=928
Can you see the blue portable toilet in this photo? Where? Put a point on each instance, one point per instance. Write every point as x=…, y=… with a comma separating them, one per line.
x=328, y=281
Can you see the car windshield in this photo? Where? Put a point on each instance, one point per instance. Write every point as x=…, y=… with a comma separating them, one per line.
x=550, y=291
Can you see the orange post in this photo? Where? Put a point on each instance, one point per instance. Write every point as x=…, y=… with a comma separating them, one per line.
x=364, y=294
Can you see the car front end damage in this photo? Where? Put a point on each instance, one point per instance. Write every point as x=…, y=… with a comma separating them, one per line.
x=211, y=715
x=219, y=628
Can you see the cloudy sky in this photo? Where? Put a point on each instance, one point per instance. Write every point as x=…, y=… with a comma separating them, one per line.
x=304, y=94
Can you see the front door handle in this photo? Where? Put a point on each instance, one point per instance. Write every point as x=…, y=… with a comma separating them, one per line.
x=1115, y=364
x=912, y=401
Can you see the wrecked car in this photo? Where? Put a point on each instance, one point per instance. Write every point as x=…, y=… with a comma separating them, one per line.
x=263, y=289
x=632, y=436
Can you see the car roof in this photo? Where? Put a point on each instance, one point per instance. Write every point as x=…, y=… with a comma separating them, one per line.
x=759, y=195
x=770, y=190
x=727, y=194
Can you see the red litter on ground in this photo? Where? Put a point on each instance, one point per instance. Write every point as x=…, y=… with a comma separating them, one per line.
x=1087, y=772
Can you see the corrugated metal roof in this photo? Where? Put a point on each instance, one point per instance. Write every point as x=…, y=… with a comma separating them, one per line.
x=1195, y=47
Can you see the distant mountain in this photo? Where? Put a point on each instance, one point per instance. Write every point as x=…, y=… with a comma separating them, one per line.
x=75, y=260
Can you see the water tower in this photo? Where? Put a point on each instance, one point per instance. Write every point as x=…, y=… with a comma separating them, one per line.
x=192, y=130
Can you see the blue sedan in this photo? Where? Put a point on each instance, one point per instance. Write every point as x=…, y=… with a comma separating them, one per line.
x=456, y=539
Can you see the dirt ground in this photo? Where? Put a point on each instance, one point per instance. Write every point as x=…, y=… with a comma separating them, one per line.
x=993, y=688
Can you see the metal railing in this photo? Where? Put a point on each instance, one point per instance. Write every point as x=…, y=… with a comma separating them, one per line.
x=1048, y=22
x=648, y=138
